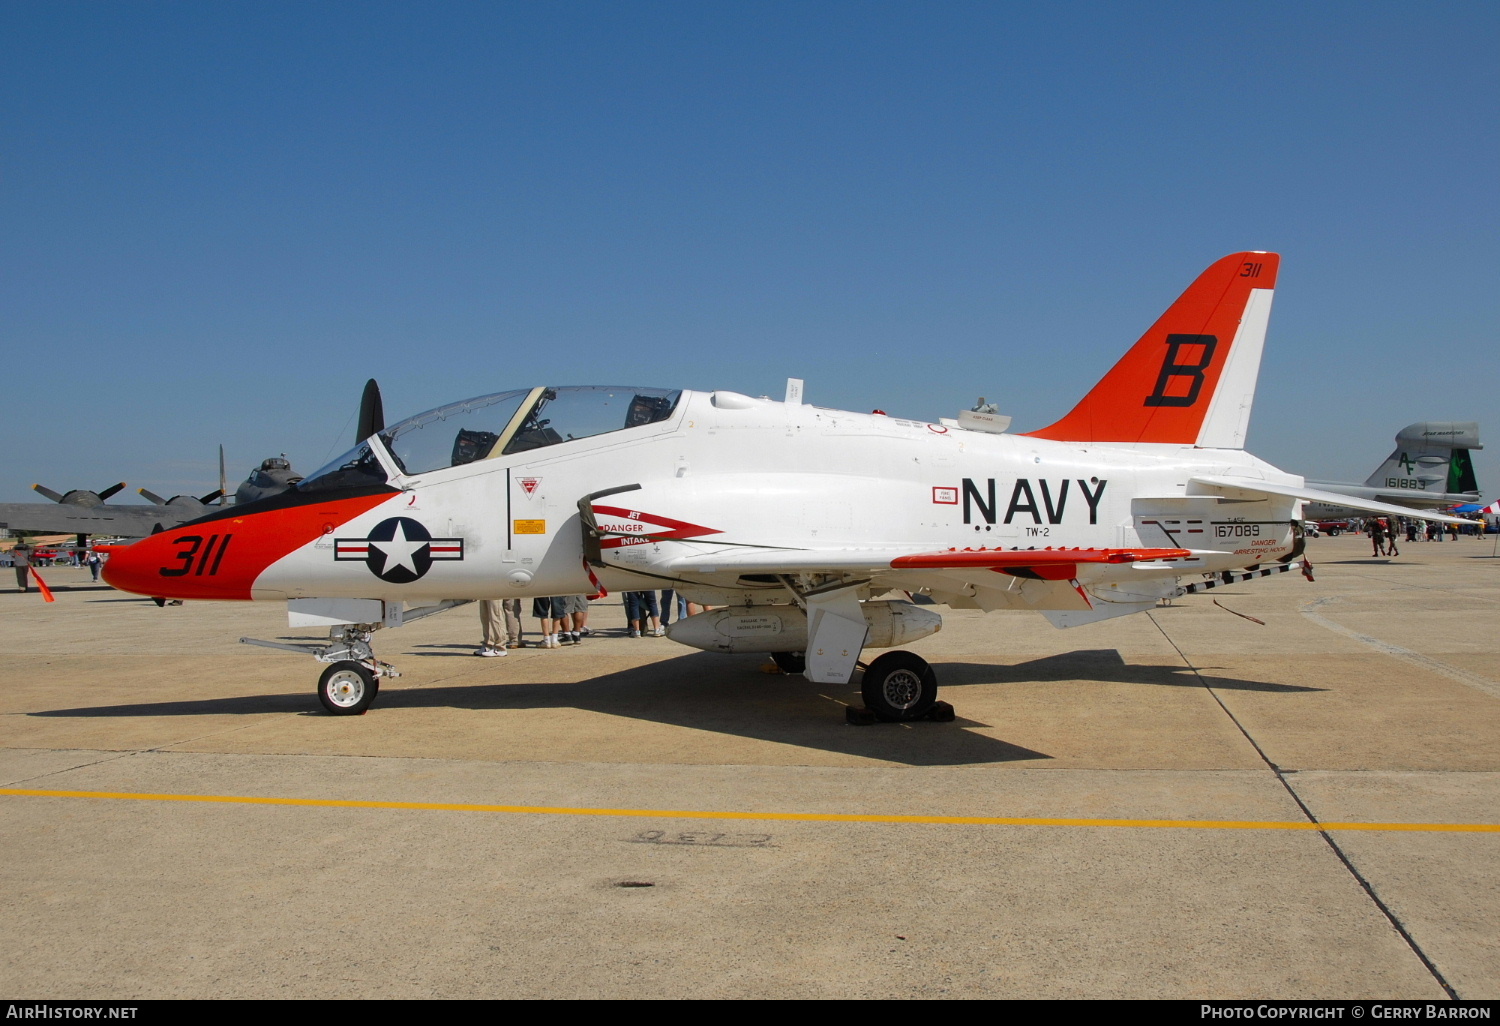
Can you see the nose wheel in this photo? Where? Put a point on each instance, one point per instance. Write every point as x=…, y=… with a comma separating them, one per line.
x=347, y=688
x=352, y=679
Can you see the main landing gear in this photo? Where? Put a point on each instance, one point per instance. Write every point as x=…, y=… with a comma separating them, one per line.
x=897, y=687
x=351, y=682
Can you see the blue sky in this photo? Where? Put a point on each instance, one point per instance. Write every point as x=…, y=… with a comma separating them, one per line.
x=219, y=219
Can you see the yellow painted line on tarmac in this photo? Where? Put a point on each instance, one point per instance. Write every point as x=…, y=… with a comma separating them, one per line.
x=795, y=817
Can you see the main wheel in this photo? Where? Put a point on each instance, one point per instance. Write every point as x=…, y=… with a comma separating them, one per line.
x=899, y=686
x=347, y=688
x=790, y=662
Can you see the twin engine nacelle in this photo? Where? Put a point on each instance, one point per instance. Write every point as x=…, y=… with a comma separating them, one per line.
x=784, y=628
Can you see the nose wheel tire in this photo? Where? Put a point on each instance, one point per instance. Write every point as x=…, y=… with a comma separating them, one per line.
x=899, y=686
x=347, y=688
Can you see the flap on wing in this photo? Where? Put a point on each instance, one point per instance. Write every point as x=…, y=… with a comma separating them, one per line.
x=1262, y=488
x=1001, y=559
x=1048, y=564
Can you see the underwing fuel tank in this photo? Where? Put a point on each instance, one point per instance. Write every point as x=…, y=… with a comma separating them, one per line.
x=784, y=628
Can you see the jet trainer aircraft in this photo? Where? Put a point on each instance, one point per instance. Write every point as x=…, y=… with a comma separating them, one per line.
x=806, y=526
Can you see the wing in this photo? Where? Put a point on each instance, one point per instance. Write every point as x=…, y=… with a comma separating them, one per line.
x=66, y=518
x=1045, y=564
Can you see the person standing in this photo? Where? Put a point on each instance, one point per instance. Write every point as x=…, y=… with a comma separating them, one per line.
x=549, y=613
x=638, y=606
x=513, y=632
x=492, y=622
x=21, y=560
x=94, y=563
x=578, y=618
x=1377, y=535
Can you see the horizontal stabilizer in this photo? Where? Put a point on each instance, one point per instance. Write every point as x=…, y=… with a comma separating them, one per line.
x=1259, y=489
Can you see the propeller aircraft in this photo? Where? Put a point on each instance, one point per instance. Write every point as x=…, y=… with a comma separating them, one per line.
x=810, y=530
x=83, y=512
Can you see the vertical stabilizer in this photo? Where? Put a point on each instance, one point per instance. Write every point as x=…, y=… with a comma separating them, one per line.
x=1431, y=456
x=1191, y=378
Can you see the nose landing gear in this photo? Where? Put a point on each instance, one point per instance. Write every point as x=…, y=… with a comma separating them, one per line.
x=350, y=684
x=347, y=688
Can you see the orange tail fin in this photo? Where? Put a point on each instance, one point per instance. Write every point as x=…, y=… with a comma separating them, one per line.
x=1191, y=378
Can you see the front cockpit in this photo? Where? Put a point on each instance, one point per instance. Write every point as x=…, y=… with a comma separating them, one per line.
x=490, y=426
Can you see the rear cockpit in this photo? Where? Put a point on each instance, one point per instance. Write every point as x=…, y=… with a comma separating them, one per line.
x=489, y=426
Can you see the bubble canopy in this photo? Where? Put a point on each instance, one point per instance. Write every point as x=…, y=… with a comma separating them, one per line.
x=502, y=423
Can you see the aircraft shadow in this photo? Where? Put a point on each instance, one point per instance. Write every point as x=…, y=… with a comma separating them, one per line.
x=89, y=586
x=729, y=695
x=699, y=691
x=1102, y=664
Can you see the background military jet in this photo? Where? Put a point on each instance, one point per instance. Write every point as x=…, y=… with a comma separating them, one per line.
x=1429, y=469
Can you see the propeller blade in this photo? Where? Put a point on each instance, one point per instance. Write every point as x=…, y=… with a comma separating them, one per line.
x=223, y=482
x=152, y=496
x=104, y=495
x=211, y=496
x=371, y=413
x=48, y=492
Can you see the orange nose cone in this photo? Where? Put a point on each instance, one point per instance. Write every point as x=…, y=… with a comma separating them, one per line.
x=195, y=561
x=129, y=569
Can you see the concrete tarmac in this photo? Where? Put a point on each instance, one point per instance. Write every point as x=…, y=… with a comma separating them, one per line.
x=491, y=826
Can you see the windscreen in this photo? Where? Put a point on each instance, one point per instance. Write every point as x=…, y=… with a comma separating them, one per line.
x=582, y=411
x=357, y=468
x=452, y=435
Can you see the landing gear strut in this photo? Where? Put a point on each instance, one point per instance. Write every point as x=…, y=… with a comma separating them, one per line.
x=348, y=686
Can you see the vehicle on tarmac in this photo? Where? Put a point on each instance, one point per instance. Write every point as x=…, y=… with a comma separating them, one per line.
x=810, y=529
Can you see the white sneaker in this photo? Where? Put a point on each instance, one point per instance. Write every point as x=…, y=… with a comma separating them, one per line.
x=490, y=653
x=660, y=632
x=635, y=634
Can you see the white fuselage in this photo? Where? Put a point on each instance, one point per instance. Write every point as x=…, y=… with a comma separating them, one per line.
x=755, y=474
